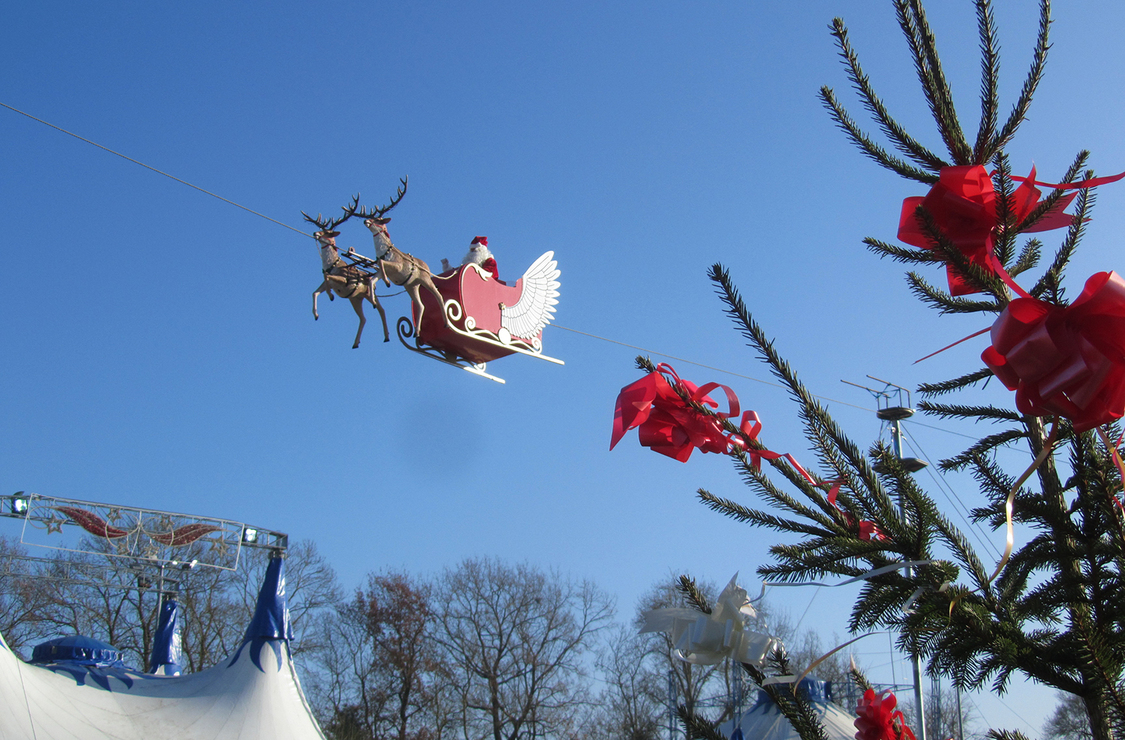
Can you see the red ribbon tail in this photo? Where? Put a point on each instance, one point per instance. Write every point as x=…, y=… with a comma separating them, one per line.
x=974, y=334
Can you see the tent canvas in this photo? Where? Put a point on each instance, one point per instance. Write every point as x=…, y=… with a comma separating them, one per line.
x=253, y=694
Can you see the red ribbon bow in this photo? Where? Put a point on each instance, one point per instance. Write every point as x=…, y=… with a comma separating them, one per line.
x=963, y=204
x=1065, y=360
x=667, y=424
x=878, y=719
x=670, y=426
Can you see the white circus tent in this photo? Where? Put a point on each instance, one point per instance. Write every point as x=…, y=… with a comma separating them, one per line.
x=255, y=694
x=764, y=721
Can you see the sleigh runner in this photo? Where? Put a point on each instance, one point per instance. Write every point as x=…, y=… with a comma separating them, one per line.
x=487, y=319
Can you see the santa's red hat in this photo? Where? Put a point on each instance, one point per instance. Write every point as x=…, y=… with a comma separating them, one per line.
x=482, y=240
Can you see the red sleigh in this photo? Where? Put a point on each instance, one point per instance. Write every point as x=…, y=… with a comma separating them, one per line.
x=488, y=319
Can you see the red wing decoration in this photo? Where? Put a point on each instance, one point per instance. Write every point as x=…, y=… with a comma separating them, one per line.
x=91, y=522
x=184, y=535
x=488, y=318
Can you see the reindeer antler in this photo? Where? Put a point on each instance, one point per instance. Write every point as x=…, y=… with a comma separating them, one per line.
x=331, y=224
x=356, y=210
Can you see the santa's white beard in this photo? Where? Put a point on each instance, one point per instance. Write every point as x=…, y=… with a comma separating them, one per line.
x=477, y=255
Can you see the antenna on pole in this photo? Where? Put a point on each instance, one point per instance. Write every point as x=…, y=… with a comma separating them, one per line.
x=892, y=404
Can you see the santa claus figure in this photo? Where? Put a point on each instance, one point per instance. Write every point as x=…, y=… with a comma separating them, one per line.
x=480, y=256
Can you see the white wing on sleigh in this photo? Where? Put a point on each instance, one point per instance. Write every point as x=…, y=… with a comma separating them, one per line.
x=537, y=300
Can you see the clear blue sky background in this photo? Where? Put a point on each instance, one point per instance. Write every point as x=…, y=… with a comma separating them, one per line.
x=158, y=345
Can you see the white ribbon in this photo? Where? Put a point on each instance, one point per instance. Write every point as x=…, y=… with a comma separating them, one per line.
x=707, y=639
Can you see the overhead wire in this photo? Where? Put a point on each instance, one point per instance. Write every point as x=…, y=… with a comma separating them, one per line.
x=287, y=226
x=148, y=167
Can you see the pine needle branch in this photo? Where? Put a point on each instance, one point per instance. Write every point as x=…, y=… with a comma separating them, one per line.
x=956, y=384
x=902, y=254
x=903, y=141
x=691, y=593
x=875, y=152
x=989, y=81
x=1038, y=64
x=943, y=301
x=912, y=20
x=1052, y=279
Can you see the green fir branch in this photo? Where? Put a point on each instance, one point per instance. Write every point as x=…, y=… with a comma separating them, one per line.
x=959, y=411
x=1028, y=259
x=876, y=153
x=989, y=81
x=956, y=384
x=1034, y=76
x=923, y=47
x=1050, y=283
x=903, y=141
x=689, y=590
x=943, y=301
x=902, y=254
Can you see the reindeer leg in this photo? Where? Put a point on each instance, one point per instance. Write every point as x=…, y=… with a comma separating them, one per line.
x=383, y=272
x=428, y=281
x=382, y=314
x=416, y=298
x=357, y=304
x=322, y=288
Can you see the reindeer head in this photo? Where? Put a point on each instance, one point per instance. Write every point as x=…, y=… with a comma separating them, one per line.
x=375, y=220
x=327, y=233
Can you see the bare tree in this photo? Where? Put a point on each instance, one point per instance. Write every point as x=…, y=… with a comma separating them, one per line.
x=628, y=707
x=379, y=673
x=1068, y=722
x=514, y=638
x=23, y=597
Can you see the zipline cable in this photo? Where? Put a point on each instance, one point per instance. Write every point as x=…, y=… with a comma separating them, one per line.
x=147, y=167
x=700, y=364
x=302, y=233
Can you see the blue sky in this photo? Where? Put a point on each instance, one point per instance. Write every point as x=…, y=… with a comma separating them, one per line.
x=159, y=348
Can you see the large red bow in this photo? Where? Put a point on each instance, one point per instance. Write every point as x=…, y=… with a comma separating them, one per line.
x=963, y=205
x=1065, y=360
x=667, y=424
x=878, y=719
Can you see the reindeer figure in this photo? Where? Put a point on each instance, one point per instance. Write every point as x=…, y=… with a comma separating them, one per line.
x=348, y=281
x=404, y=270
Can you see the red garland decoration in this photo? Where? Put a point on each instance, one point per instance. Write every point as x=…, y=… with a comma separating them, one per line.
x=1065, y=360
x=878, y=719
x=91, y=522
x=184, y=535
x=668, y=425
x=963, y=204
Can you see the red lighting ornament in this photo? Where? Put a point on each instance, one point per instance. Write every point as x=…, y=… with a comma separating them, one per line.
x=91, y=522
x=878, y=719
x=1065, y=360
x=963, y=205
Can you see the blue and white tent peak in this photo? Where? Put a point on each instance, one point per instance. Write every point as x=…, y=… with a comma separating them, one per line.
x=77, y=649
x=167, y=650
x=271, y=615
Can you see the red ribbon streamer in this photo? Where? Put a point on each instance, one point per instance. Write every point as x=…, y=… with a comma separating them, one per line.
x=963, y=204
x=879, y=720
x=1065, y=360
x=668, y=425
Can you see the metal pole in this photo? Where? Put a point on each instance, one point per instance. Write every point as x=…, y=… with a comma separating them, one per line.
x=915, y=659
x=960, y=717
x=672, y=704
